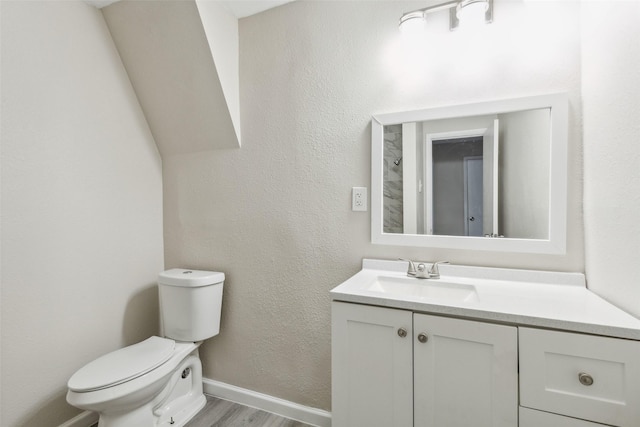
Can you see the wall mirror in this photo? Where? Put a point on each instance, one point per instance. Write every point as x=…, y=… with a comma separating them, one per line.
x=484, y=176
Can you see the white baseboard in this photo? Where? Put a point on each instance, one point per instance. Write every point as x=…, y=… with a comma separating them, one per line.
x=84, y=419
x=274, y=405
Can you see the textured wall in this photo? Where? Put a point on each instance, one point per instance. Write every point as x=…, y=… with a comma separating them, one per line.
x=81, y=206
x=275, y=215
x=611, y=100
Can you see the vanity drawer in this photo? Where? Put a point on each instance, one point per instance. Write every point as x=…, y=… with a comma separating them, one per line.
x=533, y=418
x=583, y=376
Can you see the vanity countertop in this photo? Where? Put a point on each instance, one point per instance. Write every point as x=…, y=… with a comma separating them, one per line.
x=542, y=299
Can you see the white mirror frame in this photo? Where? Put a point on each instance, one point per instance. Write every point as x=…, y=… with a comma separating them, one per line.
x=555, y=244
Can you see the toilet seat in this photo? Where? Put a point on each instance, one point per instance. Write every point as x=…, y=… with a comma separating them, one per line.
x=122, y=365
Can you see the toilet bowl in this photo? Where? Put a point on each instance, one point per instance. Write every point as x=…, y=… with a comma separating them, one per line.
x=157, y=382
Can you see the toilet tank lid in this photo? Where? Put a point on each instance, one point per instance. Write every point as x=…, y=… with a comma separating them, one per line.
x=122, y=365
x=190, y=278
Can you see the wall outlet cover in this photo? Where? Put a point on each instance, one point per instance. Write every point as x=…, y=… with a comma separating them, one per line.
x=359, y=199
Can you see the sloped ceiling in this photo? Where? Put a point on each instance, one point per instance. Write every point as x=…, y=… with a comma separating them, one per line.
x=165, y=50
x=182, y=59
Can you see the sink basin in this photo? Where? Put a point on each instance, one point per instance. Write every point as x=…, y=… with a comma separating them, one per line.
x=423, y=288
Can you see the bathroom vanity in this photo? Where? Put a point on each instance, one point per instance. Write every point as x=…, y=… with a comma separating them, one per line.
x=480, y=347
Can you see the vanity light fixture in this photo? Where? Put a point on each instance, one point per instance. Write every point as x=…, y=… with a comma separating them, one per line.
x=466, y=11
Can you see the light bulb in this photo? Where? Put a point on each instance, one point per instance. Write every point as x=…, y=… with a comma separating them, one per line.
x=472, y=13
x=413, y=23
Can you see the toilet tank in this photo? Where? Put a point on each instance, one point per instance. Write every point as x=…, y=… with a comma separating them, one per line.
x=190, y=303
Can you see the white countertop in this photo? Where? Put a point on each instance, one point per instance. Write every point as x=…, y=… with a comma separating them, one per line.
x=523, y=297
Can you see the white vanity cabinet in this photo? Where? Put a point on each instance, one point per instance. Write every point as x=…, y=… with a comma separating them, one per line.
x=480, y=347
x=397, y=368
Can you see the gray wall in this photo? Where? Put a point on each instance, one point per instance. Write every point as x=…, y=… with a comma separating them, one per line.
x=81, y=206
x=611, y=101
x=275, y=215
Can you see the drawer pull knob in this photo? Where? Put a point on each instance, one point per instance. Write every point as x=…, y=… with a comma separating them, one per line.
x=423, y=338
x=402, y=332
x=585, y=379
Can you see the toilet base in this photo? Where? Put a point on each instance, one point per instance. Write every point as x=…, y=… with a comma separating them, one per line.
x=138, y=417
x=182, y=417
x=176, y=404
x=144, y=416
x=184, y=395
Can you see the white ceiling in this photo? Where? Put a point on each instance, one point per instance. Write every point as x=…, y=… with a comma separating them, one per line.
x=240, y=8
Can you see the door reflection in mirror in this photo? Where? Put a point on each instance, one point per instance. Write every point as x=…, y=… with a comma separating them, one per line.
x=482, y=175
x=456, y=176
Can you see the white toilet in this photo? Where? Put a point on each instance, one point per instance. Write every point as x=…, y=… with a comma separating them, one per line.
x=157, y=382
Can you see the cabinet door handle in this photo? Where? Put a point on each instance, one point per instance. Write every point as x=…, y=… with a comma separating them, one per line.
x=423, y=338
x=585, y=379
x=402, y=332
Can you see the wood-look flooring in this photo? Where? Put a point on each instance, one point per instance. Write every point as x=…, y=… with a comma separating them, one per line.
x=222, y=413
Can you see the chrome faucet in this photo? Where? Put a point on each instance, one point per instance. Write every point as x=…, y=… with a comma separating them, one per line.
x=434, y=272
x=420, y=271
x=411, y=271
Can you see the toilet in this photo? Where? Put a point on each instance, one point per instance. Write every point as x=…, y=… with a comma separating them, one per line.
x=156, y=382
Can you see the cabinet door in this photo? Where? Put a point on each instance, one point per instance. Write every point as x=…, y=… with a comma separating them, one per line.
x=372, y=382
x=465, y=374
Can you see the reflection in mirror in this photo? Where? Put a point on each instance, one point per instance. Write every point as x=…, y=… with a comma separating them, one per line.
x=481, y=173
x=474, y=176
